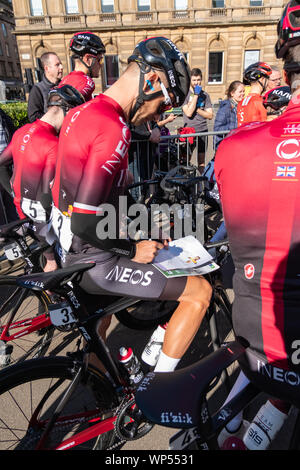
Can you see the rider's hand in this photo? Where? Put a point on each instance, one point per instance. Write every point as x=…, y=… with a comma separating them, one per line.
x=146, y=250
x=197, y=90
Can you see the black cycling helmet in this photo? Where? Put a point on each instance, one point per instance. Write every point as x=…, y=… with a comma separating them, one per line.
x=162, y=54
x=256, y=71
x=86, y=43
x=68, y=97
x=278, y=97
x=288, y=29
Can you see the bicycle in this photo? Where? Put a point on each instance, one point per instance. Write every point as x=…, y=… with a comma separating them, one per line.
x=179, y=187
x=105, y=415
x=189, y=409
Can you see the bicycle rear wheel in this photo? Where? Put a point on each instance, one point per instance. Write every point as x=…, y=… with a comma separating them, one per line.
x=19, y=309
x=147, y=314
x=30, y=392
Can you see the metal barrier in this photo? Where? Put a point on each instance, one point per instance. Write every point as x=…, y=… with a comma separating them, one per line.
x=172, y=150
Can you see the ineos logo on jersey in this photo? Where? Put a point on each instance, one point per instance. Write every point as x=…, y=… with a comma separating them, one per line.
x=127, y=275
x=288, y=149
x=249, y=271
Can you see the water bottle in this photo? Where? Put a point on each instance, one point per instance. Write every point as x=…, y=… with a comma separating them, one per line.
x=152, y=349
x=132, y=364
x=264, y=427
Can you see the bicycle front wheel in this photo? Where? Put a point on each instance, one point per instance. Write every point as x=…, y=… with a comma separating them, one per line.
x=29, y=394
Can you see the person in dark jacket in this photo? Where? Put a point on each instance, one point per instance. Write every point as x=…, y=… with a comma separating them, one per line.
x=7, y=208
x=226, y=118
x=38, y=96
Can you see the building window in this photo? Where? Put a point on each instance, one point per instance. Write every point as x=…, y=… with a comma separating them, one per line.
x=144, y=5
x=36, y=8
x=218, y=4
x=1, y=50
x=181, y=4
x=107, y=6
x=4, y=30
x=256, y=3
x=215, y=67
x=71, y=7
x=111, y=69
x=7, y=50
x=251, y=57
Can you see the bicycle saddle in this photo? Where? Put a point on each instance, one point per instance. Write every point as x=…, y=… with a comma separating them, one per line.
x=185, y=182
x=48, y=281
x=8, y=230
x=173, y=399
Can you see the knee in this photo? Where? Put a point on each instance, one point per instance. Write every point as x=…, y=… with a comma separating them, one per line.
x=205, y=292
x=198, y=292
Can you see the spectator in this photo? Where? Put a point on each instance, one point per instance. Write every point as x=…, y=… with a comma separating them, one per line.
x=275, y=78
x=166, y=119
x=251, y=108
x=7, y=208
x=226, y=118
x=88, y=53
x=197, y=108
x=38, y=96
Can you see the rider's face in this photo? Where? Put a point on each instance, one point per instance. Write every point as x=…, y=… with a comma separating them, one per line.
x=151, y=110
x=96, y=63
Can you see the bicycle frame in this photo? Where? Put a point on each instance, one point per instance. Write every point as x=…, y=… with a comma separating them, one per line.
x=205, y=434
x=29, y=325
x=88, y=327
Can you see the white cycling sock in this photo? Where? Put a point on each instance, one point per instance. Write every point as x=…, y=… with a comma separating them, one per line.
x=240, y=383
x=165, y=363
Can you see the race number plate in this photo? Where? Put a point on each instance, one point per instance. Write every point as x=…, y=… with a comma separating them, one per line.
x=61, y=314
x=33, y=209
x=13, y=251
x=61, y=225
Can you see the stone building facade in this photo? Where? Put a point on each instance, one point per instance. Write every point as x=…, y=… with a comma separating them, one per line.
x=10, y=68
x=219, y=36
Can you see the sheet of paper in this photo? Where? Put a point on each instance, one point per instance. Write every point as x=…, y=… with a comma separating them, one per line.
x=184, y=257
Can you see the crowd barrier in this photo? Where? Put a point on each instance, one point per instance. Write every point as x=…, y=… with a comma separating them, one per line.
x=171, y=151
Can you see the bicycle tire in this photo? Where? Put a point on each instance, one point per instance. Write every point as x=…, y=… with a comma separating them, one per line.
x=147, y=314
x=27, y=305
x=24, y=386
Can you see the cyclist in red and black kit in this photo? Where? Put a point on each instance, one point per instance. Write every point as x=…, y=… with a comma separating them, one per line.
x=33, y=152
x=261, y=164
x=251, y=108
x=88, y=54
x=92, y=171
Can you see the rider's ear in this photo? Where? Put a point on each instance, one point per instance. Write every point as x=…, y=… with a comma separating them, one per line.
x=150, y=86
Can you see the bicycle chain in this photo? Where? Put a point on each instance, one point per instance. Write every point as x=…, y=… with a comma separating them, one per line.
x=123, y=409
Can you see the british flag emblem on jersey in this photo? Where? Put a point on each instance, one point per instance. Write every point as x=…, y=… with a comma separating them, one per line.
x=286, y=171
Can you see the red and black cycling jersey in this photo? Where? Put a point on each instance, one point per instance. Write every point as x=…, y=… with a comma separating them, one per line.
x=81, y=82
x=92, y=168
x=258, y=173
x=251, y=109
x=32, y=151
